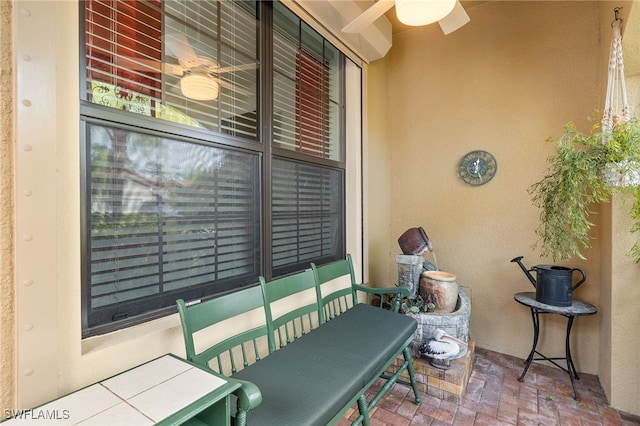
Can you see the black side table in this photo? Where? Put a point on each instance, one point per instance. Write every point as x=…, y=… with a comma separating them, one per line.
x=577, y=308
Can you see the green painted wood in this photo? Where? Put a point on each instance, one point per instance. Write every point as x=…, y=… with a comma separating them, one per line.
x=333, y=365
x=301, y=319
x=315, y=379
x=333, y=304
x=199, y=316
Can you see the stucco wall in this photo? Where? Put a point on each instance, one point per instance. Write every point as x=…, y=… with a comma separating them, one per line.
x=620, y=318
x=503, y=83
x=377, y=153
x=51, y=358
x=6, y=210
x=510, y=78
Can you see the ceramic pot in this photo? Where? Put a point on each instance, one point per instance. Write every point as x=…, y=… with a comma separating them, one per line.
x=441, y=288
x=414, y=241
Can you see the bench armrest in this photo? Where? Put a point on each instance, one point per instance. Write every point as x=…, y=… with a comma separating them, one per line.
x=248, y=397
x=398, y=291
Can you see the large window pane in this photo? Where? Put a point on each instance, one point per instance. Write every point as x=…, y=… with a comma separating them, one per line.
x=190, y=62
x=308, y=215
x=305, y=98
x=173, y=206
x=167, y=216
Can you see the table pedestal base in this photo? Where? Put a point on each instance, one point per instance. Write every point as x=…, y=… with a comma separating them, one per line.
x=570, y=369
x=577, y=308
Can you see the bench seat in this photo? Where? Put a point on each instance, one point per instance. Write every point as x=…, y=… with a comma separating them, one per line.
x=314, y=380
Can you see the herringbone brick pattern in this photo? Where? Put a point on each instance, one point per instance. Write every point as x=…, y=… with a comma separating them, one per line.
x=494, y=397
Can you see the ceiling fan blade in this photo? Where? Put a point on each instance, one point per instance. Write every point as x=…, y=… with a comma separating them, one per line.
x=367, y=17
x=149, y=65
x=178, y=45
x=233, y=68
x=454, y=20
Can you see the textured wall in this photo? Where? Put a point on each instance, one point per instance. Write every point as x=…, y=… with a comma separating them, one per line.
x=7, y=363
x=377, y=175
x=503, y=83
x=506, y=81
x=620, y=320
x=51, y=357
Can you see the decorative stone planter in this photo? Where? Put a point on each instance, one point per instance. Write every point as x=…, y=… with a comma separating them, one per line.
x=455, y=324
x=409, y=270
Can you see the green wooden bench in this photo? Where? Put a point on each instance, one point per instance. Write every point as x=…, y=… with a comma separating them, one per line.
x=229, y=354
x=324, y=351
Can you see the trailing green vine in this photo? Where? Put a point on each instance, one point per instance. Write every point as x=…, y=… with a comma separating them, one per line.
x=575, y=182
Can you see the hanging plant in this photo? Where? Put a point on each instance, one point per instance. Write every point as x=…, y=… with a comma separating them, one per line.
x=579, y=176
x=587, y=169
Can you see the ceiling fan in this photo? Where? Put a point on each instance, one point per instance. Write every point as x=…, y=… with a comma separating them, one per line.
x=448, y=13
x=199, y=75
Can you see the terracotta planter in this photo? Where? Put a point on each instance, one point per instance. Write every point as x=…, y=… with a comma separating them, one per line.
x=441, y=289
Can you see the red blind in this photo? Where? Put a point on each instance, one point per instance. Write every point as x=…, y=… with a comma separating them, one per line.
x=312, y=106
x=123, y=42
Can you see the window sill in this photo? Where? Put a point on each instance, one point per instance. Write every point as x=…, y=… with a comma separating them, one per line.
x=165, y=326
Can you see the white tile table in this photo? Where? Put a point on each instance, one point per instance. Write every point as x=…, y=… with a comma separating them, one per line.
x=165, y=391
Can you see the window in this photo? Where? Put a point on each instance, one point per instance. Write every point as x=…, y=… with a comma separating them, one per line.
x=167, y=217
x=187, y=191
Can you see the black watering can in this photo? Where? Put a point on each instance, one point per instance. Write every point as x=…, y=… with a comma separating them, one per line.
x=554, y=284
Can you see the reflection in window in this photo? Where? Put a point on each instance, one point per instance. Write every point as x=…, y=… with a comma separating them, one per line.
x=305, y=98
x=200, y=60
x=183, y=196
x=167, y=216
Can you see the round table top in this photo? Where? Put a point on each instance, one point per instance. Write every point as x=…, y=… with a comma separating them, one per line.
x=577, y=307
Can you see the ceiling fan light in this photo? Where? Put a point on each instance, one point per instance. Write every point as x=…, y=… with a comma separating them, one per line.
x=423, y=12
x=199, y=86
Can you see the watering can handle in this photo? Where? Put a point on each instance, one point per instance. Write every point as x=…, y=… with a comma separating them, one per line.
x=584, y=277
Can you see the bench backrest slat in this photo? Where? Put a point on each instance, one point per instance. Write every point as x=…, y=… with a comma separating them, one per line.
x=230, y=353
x=289, y=314
x=339, y=300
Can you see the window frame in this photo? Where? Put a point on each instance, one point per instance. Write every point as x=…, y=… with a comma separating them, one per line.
x=263, y=147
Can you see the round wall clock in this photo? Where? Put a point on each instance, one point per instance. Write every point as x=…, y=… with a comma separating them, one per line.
x=477, y=167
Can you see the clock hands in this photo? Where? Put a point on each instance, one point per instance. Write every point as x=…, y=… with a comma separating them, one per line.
x=476, y=169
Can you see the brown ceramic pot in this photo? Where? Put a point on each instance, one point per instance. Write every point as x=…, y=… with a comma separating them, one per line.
x=441, y=289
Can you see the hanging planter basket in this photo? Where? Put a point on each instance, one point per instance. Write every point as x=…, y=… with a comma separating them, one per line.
x=588, y=168
x=622, y=174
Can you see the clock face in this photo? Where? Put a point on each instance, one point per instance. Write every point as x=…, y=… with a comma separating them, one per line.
x=477, y=167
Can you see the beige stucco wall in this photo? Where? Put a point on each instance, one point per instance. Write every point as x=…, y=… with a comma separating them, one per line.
x=510, y=78
x=377, y=185
x=6, y=211
x=505, y=82
x=51, y=358
x=513, y=76
x=620, y=317
x=618, y=372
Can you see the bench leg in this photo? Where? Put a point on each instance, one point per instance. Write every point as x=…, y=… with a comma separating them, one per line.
x=412, y=376
x=363, y=407
x=241, y=418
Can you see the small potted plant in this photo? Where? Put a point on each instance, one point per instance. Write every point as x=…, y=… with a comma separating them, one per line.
x=416, y=305
x=585, y=171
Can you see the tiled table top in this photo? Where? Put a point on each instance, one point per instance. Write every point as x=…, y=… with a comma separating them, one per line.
x=143, y=395
x=577, y=307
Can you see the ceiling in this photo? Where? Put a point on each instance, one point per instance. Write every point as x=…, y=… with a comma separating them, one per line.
x=374, y=42
x=398, y=27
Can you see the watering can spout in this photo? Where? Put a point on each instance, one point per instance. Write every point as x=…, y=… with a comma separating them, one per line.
x=524, y=269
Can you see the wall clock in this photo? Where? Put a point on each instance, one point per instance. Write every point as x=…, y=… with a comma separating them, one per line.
x=477, y=167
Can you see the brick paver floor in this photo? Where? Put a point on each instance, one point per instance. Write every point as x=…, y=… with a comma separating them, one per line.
x=494, y=397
